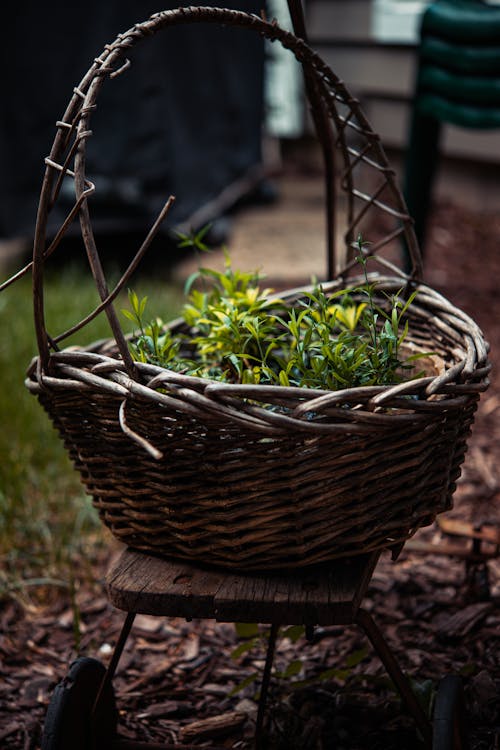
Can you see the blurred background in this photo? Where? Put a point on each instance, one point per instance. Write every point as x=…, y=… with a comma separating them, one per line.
x=239, y=113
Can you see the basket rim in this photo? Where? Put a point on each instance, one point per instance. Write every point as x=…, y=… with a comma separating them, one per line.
x=274, y=409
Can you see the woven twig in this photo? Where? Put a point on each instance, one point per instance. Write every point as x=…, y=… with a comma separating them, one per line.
x=256, y=476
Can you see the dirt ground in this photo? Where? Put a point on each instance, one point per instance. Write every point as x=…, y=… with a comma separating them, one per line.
x=438, y=614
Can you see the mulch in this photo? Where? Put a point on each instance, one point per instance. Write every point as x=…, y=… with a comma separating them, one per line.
x=176, y=680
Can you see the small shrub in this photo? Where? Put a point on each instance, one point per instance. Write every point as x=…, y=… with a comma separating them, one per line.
x=238, y=332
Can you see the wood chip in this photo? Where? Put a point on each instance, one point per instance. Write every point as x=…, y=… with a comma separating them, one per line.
x=485, y=466
x=147, y=623
x=13, y=726
x=167, y=708
x=463, y=621
x=214, y=726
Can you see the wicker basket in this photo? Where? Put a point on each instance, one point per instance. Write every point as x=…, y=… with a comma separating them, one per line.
x=206, y=471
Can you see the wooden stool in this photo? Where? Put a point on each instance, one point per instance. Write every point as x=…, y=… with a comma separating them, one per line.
x=139, y=583
x=82, y=714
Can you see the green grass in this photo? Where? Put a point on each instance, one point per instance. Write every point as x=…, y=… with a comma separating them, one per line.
x=46, y=521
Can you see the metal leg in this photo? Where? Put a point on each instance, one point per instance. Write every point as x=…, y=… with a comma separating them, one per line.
x=365, y=621
x=115, y=658
x=420, y=169
x=264, y=688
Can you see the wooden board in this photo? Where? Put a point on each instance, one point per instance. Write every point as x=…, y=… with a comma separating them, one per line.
x=328, y=595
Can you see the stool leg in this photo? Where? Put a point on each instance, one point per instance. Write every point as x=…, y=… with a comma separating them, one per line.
x=115, y=658
x=365, y=621
x=264, y=688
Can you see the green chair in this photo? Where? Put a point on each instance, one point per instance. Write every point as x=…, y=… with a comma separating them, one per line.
x=458, y=82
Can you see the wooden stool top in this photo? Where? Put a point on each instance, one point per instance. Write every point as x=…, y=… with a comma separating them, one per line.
x=326, y=595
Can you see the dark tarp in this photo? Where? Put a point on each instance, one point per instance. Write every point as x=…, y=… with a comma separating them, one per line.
x=184, y=119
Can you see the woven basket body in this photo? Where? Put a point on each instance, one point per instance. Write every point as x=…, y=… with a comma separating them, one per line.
x=256, y=477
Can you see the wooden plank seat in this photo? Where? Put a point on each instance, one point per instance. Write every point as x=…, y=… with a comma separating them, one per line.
x=325, y=595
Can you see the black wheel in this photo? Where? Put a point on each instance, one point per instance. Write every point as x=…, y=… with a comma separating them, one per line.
x=69, y=724
x=450, y=719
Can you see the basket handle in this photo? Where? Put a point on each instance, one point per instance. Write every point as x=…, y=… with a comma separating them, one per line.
x=340, y=125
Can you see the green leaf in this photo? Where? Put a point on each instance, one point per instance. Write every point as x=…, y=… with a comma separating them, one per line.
x=294, y=632
x=356, y=657
x=404, y=333
x=394, y=320
x=190, y=281
x=283, y=378
x=244, y=683
x=408, y=302
x=333, y=673
x=294, y=668
x=246, y=629
x=243, y=648
x=134, y=300
x=194, y=240
x=129, y=315
x=142, y=305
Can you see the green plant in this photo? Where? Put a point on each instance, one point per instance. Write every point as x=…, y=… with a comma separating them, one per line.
x=154, y=343
x=254, y=639
x=239, y=333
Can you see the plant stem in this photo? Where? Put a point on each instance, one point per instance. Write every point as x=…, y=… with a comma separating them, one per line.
x=369, y=292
